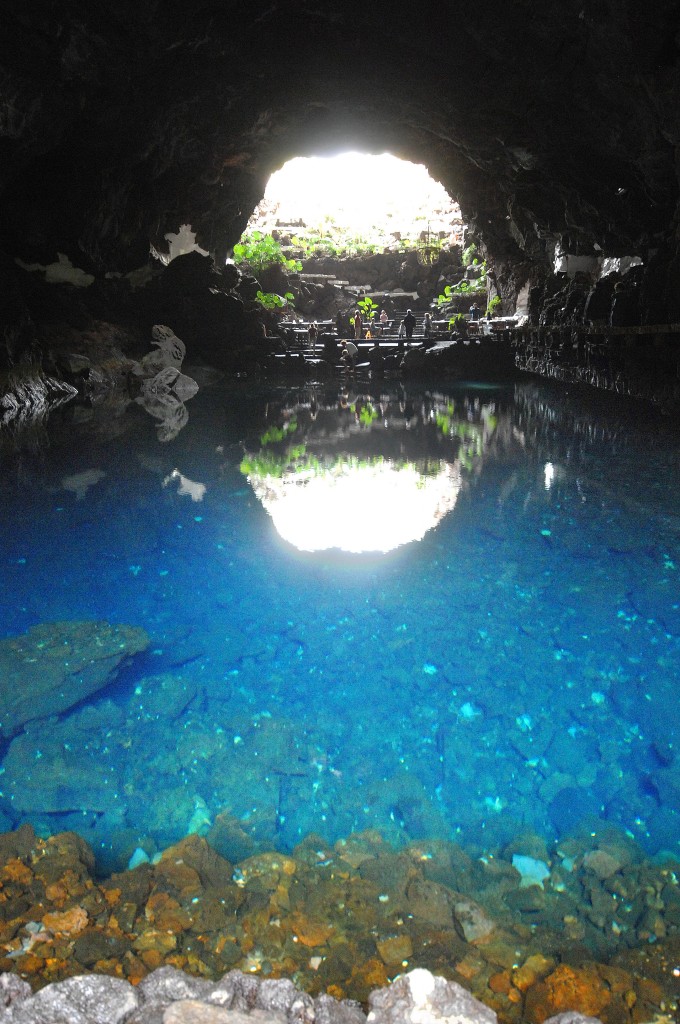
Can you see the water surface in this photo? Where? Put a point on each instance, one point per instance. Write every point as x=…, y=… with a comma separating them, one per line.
x=513, y=668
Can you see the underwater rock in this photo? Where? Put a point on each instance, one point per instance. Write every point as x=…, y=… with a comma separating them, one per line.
x=471, y=920
x=346, y=931
x=55, y=665
x=214, y=871
x=532, y=871
x=64, y=766
x=602, y=863
x=566, y=989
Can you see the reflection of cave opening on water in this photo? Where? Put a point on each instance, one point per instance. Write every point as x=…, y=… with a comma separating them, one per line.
x=365, y=474
x=359, y=507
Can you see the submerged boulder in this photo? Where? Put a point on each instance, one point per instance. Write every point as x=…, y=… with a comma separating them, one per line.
x=57, y=664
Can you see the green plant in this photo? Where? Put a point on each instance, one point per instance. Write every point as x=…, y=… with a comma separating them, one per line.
x=368, y=307
x=270, y=300
x=469, y=254
x=261, y=251
x=464, y=287
x=494, y=307
x=445, y=297
x=456, y=321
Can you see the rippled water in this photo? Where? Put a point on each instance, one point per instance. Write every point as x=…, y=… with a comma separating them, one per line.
x=515, y=668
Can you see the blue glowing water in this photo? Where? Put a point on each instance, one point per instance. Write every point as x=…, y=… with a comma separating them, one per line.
x=515, y=669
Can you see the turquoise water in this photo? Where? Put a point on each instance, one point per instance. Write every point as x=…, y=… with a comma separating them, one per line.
x=513, y=669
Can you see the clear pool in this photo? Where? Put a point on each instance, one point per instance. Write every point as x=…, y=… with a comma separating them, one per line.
x=447, y=613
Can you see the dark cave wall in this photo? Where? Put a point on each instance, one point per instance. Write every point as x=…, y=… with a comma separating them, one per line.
x=548, y=121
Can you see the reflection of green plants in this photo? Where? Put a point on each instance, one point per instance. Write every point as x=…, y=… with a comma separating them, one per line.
x=274, y=463
x=261, y=251
x=367, y=414
x=295, y=459
x=275, y=434
x=443, y=419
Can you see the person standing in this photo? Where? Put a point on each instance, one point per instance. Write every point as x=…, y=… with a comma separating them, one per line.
x=358, y=324
x=313, y=334
x=409, y=323
x=340, y=323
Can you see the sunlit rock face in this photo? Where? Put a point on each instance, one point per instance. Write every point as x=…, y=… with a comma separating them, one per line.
x=367, y=475
x=549, y=123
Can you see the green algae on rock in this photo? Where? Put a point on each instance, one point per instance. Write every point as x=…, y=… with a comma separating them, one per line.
x=57, y=664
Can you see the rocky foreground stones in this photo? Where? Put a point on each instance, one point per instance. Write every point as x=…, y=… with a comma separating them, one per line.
x=57, y=664
x=167, y=996
x=341, y=922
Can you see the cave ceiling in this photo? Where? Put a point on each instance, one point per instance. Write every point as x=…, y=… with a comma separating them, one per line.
x=546, y=120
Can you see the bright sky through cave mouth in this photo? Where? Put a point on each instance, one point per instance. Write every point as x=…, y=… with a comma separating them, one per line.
x=358, y=195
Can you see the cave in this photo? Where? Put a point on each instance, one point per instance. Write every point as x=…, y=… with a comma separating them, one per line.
x=555, y=132
x=238, y=731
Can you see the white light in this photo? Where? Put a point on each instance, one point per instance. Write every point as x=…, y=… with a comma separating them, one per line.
x=358, y=508
x=359, y=191
x=549, y=475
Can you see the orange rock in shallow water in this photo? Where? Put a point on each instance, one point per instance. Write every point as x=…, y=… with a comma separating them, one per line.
x=109, y=966
x=158, y=901
x=67, y=922
x=309, y=933
x=16, y=871
x=112, y=896
x=29, y=964
x=370, y=975
x=135, y=969
x=567, y=988
x=151, y=958
x=160, y=942
x=179, y=876
x=500, y=983
x=470, y=966
x=56, y=892
x=533, y=969
x=395, y=949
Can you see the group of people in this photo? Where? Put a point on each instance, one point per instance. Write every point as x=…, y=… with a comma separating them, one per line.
x=349, y=350
x=358, y=322
x=406, y=327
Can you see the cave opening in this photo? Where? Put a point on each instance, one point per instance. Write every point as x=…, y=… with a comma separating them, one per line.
x=354, y=202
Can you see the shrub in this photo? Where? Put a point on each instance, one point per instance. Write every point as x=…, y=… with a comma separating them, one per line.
x=261, y=251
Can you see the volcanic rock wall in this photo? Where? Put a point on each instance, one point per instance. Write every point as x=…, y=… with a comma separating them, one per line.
x=551, y=123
